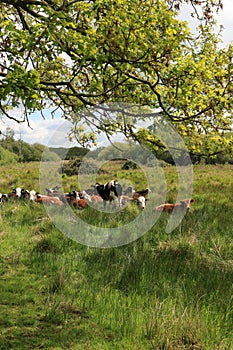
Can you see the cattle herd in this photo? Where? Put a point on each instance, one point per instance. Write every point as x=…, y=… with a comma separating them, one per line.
x=111, y=192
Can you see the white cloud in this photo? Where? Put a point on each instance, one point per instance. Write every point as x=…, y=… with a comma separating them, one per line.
x=49, y=132
x=52, y=132
x=224, y=18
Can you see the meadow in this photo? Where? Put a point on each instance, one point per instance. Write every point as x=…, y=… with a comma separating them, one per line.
x=163, y=291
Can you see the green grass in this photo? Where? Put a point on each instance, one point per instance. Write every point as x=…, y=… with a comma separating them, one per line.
x=165, y=291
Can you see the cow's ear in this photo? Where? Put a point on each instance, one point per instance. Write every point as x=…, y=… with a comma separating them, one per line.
x=192, y=200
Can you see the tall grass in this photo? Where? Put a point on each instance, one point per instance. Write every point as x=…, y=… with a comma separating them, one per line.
x=167, y=291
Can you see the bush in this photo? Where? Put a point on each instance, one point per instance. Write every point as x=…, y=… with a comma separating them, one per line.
x=129, y=165
x=76, y=166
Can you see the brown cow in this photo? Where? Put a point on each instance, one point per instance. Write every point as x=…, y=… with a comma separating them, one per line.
x=45, y=199
x=79, y=203
x=96, y=198
x=168, y=207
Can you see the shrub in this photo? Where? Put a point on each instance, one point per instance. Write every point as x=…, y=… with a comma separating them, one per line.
x=76, y=166
x=129, y=165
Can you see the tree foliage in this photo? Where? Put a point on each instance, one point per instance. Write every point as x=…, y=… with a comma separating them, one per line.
x=76, y=55
x=7, y=157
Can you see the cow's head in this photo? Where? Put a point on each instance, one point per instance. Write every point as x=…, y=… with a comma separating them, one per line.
x=18, y=191
x=186, y=203
x=32, y=195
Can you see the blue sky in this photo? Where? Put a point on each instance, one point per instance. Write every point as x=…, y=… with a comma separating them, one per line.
x=42, y=131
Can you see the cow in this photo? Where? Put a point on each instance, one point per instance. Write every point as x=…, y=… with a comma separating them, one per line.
x=184, y=205
x=143, y=193
x=140, y=197
x=19, y=193
x=125, y=199
x=95, y=198
x=130, y=191
x=80, y=203
x=52, y=190
x=32, y=195
x=64, y=197
x=45, y=199
x=70, y=196
x=3, y=198
x=85, y=196
x=141, y=201
x=109, y=191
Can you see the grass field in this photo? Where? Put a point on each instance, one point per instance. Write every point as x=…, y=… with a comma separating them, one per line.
x=164, y=291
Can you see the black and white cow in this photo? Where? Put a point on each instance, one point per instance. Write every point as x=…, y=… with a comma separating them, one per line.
x=19, y=193
x=140, y=197
x=3, y=198
x=109, y=191
x=71, y=196
x=130, y=191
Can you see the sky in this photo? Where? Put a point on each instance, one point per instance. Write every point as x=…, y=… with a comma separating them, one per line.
x=53, y=130
x=224, y=17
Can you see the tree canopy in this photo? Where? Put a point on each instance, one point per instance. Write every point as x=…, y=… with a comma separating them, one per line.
x=76, y=55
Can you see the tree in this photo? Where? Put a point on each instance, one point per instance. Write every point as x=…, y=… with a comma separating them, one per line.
x=7, y=157
x=76, y=55
x=8, y=134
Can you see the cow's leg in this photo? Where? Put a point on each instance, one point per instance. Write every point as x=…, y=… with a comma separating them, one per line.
x=120, y=201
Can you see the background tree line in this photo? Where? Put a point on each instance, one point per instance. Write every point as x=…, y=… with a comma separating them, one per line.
x=12, y=150
x=141, y=155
